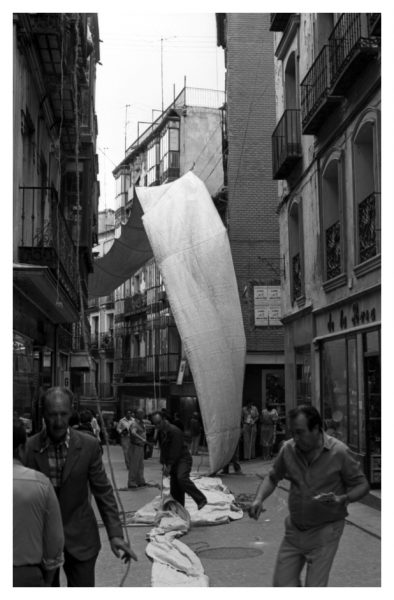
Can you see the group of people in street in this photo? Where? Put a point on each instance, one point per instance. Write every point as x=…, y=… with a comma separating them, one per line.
x=262, y=426
x=57, y=470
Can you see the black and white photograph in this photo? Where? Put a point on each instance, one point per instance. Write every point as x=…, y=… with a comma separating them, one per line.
x=196, y=305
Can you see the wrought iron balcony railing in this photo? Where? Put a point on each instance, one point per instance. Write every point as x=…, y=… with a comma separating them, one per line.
x=297, y=276
x=163, y=365
x=45, y=238
x=350, y=47
x=368, y=230
x=107, y=340
x=135, y=304
x=316, y=100
x=286, y=144
x=279, y=21
x=333, y=250
x=130, y=366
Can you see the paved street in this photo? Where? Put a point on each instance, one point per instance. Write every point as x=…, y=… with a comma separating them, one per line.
x=241, y=553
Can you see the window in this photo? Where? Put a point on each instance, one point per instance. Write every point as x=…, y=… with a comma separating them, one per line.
x=153, y=161
x=322, y=29
x=169, y=151
x=331, y=217
x=366, y=164
x=296, y=253
x=291, y=83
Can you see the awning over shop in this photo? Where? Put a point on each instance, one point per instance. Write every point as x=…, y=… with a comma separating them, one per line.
x=191, y=248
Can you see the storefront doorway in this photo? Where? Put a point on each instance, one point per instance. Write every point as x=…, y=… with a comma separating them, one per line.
x=373, y=406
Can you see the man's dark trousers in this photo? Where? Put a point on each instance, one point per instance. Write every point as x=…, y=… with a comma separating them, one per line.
x=180, y=482
x=79, y=573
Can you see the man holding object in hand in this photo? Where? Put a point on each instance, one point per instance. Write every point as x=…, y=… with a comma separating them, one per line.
x=73, y=463
x=324, y=478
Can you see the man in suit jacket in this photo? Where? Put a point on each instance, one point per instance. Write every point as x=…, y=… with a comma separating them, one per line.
x=72, y=461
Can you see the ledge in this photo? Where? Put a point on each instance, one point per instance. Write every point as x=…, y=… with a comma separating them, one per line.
x=287, y=37
x=369, y=265
x=335, y=283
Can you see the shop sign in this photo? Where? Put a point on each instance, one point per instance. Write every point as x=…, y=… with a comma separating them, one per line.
x=267, y=305
x=181, y=372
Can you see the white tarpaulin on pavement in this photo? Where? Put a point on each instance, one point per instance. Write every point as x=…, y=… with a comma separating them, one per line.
x=174, y=563
x=191, y=247
x=221, y=507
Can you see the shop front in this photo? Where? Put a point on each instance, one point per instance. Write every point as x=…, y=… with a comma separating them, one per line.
x=350, y=378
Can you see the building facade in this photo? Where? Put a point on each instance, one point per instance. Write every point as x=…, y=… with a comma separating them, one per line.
x=327, y=160
x=100, y=314
x=251, y=195
x=55, y=199
x=149, y=367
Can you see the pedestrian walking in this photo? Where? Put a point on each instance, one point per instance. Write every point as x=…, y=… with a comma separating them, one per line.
x=177, y=461
x=178, y=422
x=38, y=537
x=195, y=432
x=95, y=426
x=267, y=430
x=73, y=462
x=123, y=430
x=137, y=434
x=250, y=416
x=234, y=461
x=324, y=478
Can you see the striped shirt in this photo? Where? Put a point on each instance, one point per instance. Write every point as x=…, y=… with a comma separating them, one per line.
x=57, y=454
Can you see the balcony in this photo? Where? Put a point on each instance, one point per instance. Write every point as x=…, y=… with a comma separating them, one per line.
x=368, y=231
x=128, y=367
x=286, y=144
x=351, y=47
x=333, y=250
x=317, y=102
x=45, y=242
x=107, y=340
x=170, y=166
x=163, y=365
x=135, y=305
x=279, y=21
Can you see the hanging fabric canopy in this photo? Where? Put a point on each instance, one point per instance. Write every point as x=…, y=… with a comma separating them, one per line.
x=127, y=254
x=191, y=248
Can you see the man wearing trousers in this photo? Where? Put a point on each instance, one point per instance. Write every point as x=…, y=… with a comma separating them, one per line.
x=137, y=434
x=177, y=461
x=324, y=478
x=123, y=429
x=73, y=462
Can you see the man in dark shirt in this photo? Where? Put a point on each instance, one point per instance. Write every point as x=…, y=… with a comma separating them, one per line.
x=324, y=478
x=177, y=461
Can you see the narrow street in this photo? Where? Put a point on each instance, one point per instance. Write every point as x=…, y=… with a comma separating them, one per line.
x=241, y=553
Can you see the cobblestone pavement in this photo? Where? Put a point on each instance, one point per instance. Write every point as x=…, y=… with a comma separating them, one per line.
x=241, y=553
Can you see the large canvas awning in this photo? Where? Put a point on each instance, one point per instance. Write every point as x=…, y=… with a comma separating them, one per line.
x=191, y=248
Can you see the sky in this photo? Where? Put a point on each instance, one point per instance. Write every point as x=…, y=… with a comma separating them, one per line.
x=131, y=54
